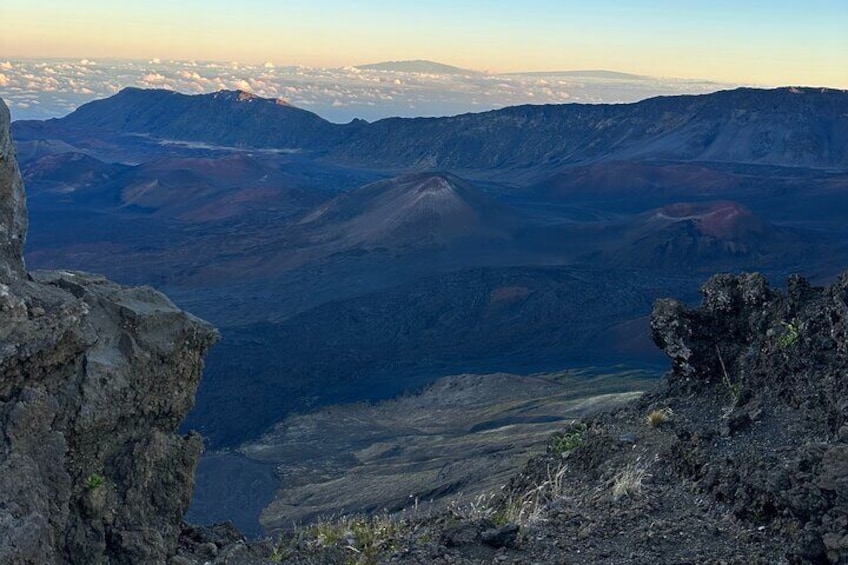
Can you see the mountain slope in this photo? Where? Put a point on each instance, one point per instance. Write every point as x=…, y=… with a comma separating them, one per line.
x=793, y=127
x=414, y=210
x=379, y=344
x=205, y=189
x=635, y=179
x=709, y=236
x=790, y=127
x=233, y=118
x=68, y=172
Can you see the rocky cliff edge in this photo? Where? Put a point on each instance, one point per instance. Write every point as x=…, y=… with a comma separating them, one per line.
x=95, y=378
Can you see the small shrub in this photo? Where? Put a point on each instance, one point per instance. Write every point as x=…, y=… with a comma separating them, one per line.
x=278, y=554
x=791, y=334
x=658, y=417
x=94, y=481
x=568, y=441
x=327, y=534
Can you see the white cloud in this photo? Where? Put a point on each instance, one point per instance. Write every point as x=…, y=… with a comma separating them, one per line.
x=153, y=78
x=188, y=75
x=242, y=85
x=339, y=94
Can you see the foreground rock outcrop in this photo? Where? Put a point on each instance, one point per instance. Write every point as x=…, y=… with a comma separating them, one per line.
x=765, y=377
x=13, y=217
x=95, y=378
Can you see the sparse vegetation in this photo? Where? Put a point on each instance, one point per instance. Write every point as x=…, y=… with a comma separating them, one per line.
x=733, y=389
x=363, y=537
x=94, y=481
x=790, y=335
x=628, y=481
x=482, y=507
x=568, y=441
x=534, y=502
x=278, y=554
x=521, y=509
x=530, y=507
x=656, y=418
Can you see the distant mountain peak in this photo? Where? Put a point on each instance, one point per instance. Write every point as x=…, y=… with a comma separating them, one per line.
x=599, y=74
x=247, y=96
x=416, y=66
x=236, y=95
x=434, y=185
x=417, y=209
x=227, y=117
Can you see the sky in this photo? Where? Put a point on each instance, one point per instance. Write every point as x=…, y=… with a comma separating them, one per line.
x=774, y=42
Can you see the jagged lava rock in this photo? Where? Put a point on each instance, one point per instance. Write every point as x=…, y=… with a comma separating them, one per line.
x=95, y=378
x=772, y=367
x=13, y=218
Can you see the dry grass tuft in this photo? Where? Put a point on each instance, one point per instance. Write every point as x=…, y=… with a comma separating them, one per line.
x=522, y=509
x=658, y=417
x=628, y=481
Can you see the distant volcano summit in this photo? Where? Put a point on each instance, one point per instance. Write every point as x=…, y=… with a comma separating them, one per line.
x=415, y=210
x=417, y=66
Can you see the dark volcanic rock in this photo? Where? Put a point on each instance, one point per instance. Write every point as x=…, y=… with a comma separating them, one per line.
x=94, y=380
x=778, y=362
x=13, y=218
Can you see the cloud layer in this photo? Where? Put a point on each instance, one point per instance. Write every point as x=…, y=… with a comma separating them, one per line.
x=40, y=89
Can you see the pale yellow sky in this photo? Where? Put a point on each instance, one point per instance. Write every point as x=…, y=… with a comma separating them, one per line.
x=755, y=42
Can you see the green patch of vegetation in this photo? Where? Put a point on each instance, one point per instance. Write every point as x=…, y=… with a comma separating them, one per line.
x=279, y=553
x=569, y=441
x=326, y=534
x=507, y=513
x=790, y=335
x=94, y=481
